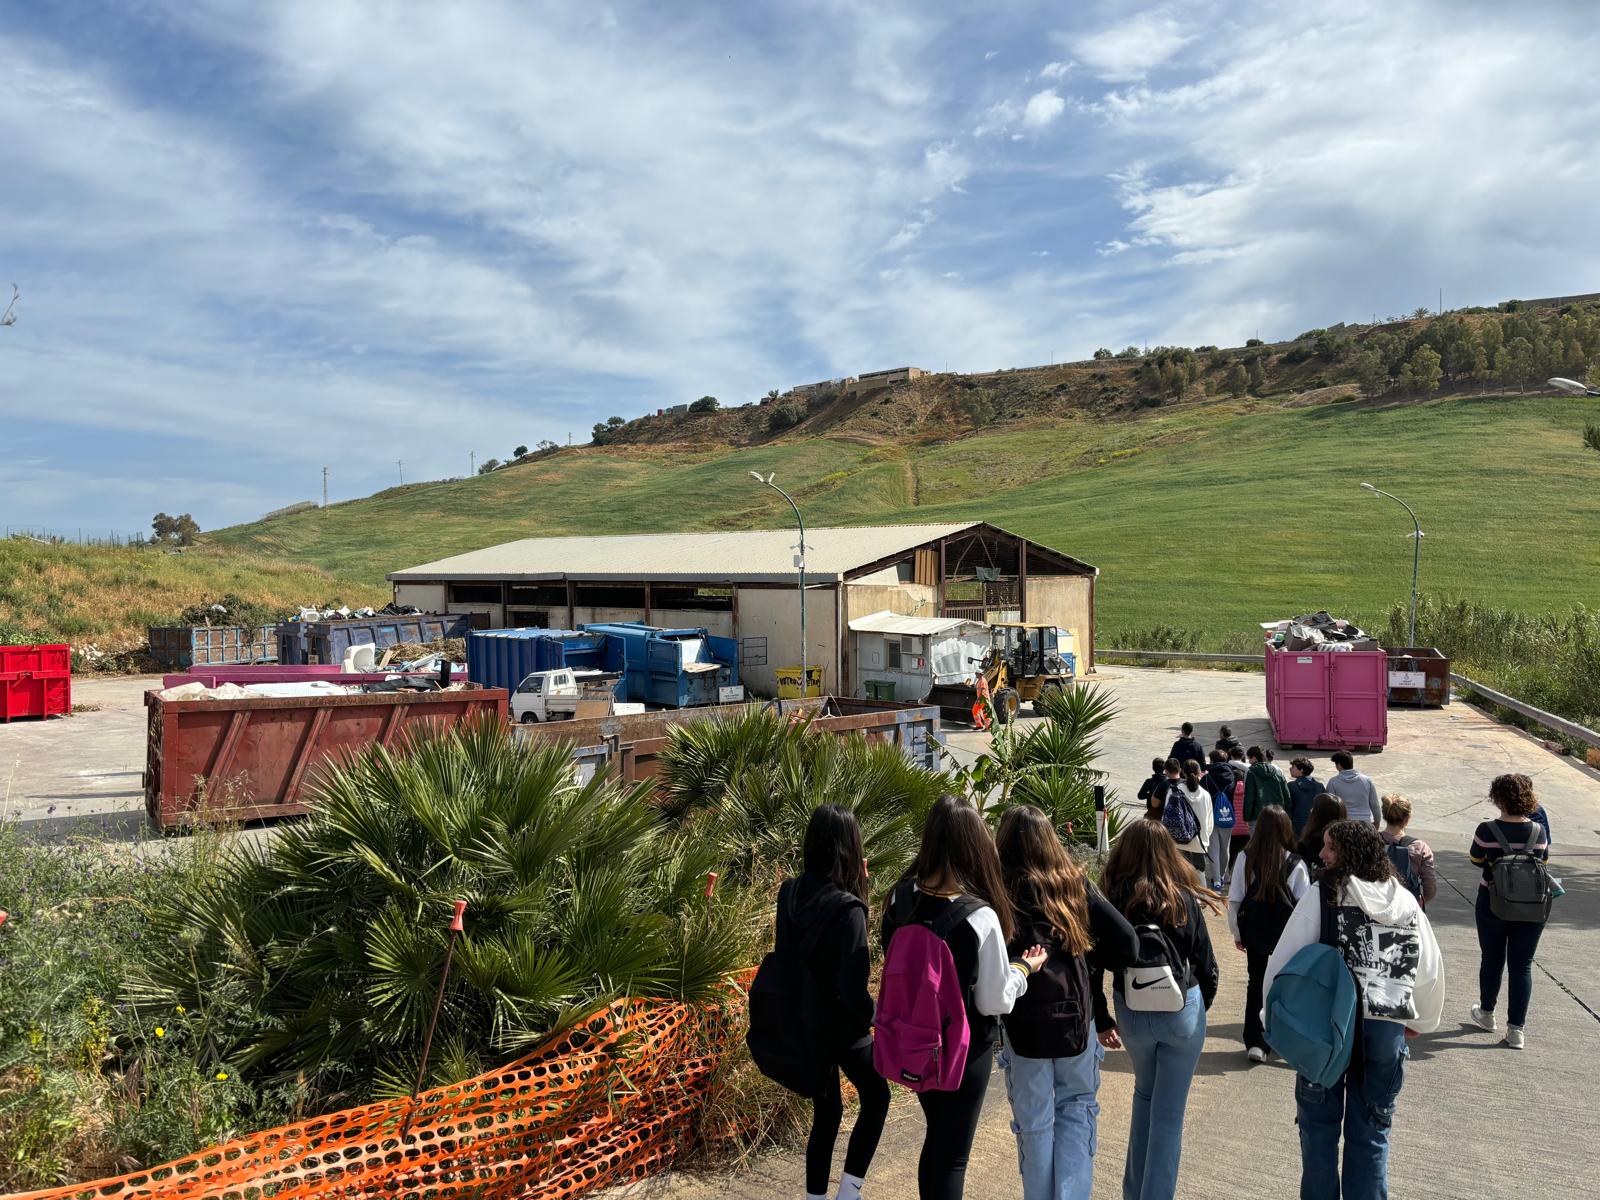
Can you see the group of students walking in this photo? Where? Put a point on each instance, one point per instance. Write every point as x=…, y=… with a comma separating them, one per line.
x=1000, y=949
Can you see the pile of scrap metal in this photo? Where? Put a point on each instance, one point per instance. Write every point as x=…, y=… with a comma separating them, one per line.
x=198, y=690
x=310, y=612
x=1318, y=631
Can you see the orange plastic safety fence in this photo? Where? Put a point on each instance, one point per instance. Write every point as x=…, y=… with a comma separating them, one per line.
x=610, y=1101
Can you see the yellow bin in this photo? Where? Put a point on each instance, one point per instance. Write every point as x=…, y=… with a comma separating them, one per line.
x=789, y=682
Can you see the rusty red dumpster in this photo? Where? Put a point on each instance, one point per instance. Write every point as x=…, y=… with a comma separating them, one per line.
x=245, y=759
x=35, y=681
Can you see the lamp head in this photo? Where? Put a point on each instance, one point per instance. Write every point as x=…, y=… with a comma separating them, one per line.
x=1571, y=386
x=1368, y=487
x=756, y=475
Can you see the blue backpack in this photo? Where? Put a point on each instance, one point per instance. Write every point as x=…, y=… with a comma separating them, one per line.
x=1222, y=808
x=1314, y=1011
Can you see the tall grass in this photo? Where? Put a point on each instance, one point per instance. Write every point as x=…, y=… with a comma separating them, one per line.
x=1551, y=661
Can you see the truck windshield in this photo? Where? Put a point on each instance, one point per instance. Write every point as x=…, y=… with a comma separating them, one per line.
x=1049, y=639
x=532, y=683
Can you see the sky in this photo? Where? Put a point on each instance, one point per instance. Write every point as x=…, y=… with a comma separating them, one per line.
x=257, y=240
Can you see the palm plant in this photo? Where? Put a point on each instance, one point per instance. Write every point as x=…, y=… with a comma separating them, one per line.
x=1051, y=765
x=333, y=934
x=748, y=786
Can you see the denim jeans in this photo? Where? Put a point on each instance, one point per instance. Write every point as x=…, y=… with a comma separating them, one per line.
x=1165, y=1049
x=1219, y=855
x=1053, y=1113
x=1362, y=1111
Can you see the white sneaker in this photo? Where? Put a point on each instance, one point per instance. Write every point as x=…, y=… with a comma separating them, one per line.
x=1513, y=1036
x=1258, y=1055
x=1485, y=1021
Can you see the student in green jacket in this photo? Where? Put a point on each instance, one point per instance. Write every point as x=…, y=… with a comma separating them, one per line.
x=1263, y=785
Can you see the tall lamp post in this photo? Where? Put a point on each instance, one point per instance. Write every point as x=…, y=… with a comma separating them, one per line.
x=800, y=562
x=1416, y=557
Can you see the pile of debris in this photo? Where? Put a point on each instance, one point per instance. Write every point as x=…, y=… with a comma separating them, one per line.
x=313, y=612
x=414, y=656
x=228, y=611
x=1319, y=631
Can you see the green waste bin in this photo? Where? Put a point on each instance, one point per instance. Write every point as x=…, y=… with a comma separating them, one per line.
x=880, y=689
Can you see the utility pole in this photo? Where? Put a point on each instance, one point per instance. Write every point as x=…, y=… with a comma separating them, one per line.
x=1441, y=302
x=472, y=462
x=324, y=487
x=401, y=463
x=800, y=564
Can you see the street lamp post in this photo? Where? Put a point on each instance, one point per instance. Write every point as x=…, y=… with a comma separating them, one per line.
x=1416, y=558
x=800, y=562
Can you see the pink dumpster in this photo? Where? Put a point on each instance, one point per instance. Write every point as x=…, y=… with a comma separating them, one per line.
x=1328, y=700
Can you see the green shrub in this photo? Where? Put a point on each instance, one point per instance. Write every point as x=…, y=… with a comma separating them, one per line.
x=332, y=936
x=747, y=786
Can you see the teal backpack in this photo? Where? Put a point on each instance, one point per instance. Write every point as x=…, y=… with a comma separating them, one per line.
x=1313, y=1010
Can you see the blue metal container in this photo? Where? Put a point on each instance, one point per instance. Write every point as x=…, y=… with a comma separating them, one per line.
x=180, y=646
x=508, y=656
x=327, y=641
x=673, y=668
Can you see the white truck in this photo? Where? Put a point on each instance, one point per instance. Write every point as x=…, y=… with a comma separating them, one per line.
x=556, y=696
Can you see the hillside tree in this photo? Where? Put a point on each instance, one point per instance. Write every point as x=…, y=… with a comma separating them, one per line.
x=1258, y=374
x=1102, y=353
x=519, y=452
x=1238, y=381
x=979, y=408
x=488, y=464
x=1422, y=372
x=705, y=404
x=1370, y=373
x=174, y=531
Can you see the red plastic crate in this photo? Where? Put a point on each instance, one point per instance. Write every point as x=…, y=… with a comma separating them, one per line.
x=35, y=681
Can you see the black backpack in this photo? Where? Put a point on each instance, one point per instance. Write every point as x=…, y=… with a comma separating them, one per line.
x=1519, y=882
x=786, y=1025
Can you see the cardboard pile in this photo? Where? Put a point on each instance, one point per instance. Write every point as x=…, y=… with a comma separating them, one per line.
x=1319, y=631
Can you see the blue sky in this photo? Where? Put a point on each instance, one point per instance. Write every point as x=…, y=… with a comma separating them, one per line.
x=254, y=240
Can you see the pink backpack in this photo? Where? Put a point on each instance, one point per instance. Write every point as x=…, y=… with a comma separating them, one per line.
x=920, y=1035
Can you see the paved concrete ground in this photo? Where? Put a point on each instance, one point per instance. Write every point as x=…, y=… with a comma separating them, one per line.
x=1471, y=1110
x=83, y=772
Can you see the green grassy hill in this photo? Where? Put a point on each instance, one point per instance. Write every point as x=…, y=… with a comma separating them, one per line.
x=1209, y=516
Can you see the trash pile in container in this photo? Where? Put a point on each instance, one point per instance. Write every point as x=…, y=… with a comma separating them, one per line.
x=311, y=612
x=1318, y=631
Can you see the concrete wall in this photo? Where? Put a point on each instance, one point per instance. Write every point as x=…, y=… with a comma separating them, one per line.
x=429, y=597
x=1065, y=601
x=907, y=599
x=774, y=614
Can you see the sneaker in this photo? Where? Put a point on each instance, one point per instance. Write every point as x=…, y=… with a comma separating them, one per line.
x=1258, y=1055
x=1513, y=1036
x=1484, y=1020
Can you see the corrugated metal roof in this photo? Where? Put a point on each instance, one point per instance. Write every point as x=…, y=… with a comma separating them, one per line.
x=747, y=556
x=893, y=622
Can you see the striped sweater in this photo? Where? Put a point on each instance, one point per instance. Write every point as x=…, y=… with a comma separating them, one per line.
x=1520, y=835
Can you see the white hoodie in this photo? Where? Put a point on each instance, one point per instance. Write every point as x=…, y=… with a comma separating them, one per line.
x=1200, y=801
x=1391, y=986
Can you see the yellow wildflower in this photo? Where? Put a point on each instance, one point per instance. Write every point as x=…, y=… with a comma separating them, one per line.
x=222, y=1076
x=161, y=1031
x=180, y=1010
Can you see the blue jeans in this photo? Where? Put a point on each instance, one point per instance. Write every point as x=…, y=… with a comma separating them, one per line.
x=1165, y=1049
x=1053, y=1112
x=1363, y=1111
x=1508, y=948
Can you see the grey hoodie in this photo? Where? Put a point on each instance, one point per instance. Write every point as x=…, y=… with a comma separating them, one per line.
x=1391, y=985
x=1360, y=797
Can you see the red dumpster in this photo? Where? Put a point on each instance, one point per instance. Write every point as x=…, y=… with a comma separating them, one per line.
x=35, y=681
x=241, y=760
x=1327, y=699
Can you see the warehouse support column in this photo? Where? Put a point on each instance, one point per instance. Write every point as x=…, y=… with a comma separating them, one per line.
x=1022, y=579
x=572, y=606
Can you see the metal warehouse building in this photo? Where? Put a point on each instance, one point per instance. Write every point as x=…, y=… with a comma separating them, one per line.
x=743, y=585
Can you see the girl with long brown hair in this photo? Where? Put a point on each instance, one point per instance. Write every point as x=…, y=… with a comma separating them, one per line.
x=1268, y=881
x=1151, y=884
x=1051, y=1058
x=957, y=873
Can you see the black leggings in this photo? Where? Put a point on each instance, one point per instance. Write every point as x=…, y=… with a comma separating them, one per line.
x=952, y=1124
x=827, y=1110
x=1507, y=946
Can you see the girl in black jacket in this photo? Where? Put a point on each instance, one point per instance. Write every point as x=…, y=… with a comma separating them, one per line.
x=830, y=901
x=1051, y=1057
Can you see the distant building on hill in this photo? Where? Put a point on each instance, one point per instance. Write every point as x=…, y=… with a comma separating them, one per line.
x=871, y=381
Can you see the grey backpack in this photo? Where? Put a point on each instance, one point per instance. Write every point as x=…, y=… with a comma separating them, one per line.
x=1519, y=883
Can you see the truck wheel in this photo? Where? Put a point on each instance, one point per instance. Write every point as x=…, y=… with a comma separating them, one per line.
x=529, y=719
x=1006, y=705
x=1043, y=697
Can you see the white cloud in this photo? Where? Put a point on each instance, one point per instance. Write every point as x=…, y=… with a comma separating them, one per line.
x=1042, y=108
x=988, y=55
x=1055, y=70
x=1132, y=48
